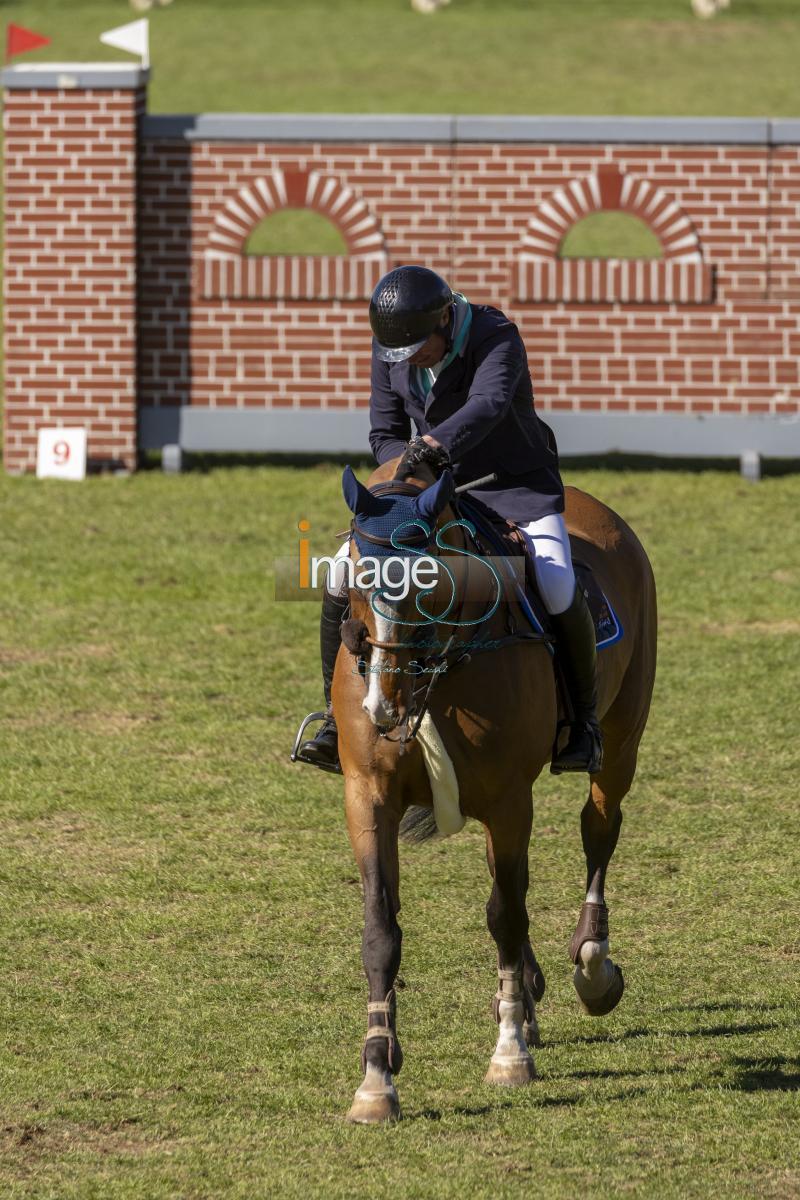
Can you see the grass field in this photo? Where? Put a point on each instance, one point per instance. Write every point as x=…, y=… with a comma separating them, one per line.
x=515, y=56
x=182, y=1004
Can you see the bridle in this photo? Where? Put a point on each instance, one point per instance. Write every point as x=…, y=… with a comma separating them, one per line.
x=453, y=647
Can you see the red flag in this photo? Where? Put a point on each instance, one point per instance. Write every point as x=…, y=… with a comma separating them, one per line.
x=18, y=40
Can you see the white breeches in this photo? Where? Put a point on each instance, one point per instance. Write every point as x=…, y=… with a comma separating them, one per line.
x=336, y=579
x=552, y=560
x=548, y=542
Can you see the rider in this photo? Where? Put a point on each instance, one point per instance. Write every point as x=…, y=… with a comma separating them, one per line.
x=459, y=371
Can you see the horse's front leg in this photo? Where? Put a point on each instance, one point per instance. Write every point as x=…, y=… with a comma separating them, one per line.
x=507, y=918
x=533, y=981
x=373, y=827
x=598, y=981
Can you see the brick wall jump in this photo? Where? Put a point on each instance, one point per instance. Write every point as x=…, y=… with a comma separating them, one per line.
x=127, y=285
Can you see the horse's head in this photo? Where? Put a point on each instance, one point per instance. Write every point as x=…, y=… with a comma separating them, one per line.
x=395, y=588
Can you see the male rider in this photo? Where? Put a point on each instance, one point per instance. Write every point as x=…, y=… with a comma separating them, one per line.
x=459, y=372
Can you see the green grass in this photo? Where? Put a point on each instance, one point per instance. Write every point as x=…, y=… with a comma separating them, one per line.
x=182, y=1004
x=295, y=231
x=515, y=56
x=610, y=235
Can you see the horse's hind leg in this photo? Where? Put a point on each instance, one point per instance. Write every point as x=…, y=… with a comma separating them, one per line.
x=598, y=981
x=373, y=829
x=507, y=918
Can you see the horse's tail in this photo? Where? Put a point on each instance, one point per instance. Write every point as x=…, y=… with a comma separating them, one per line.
x=418, y=824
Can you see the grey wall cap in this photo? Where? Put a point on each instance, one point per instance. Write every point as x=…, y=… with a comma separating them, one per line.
x=333, y=431
x=170, y=125
x=785, y=133
x=712, y=130
x=75, y=75
x=319, y=127
x=355, y=127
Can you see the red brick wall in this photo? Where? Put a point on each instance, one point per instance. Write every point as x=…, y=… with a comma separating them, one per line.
x=125, y=282
x=284, y=352
x=464, y=211
x=733, y=355
x=70, y=277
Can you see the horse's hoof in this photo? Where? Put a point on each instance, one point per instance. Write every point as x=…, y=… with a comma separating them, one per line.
x=533, y=1038
x=374, y=1108
x=600, y=1005
x=511, y=1072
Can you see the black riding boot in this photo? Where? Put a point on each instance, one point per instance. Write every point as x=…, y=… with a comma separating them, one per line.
x=323, y=749
x=577, y=653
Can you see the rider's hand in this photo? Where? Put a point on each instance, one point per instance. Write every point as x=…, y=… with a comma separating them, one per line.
x=423, y=449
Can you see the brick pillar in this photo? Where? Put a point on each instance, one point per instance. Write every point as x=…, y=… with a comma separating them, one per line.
x=71, y=133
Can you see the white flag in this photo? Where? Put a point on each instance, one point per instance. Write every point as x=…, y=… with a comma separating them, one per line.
x=133, y=37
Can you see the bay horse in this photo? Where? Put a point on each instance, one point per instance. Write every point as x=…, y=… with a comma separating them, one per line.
x=473, y=747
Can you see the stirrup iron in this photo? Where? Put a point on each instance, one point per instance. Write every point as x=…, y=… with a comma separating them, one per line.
x=296, y=756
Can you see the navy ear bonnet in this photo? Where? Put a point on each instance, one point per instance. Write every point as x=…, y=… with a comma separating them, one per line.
x=399, y=523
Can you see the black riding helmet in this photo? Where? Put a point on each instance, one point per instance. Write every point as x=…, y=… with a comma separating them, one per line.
x=406, y=308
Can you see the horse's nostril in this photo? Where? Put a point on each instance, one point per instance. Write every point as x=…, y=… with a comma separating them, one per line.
x=380, y=716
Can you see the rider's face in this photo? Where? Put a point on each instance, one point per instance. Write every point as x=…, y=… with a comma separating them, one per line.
x=433, y=350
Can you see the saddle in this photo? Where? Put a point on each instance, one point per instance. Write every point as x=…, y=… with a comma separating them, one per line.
x=496, y=535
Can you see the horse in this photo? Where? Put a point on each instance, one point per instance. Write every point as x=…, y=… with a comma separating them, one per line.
x=465, y=730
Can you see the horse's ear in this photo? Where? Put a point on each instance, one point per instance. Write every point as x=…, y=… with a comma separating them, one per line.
x=435, y=498
x=356, y=496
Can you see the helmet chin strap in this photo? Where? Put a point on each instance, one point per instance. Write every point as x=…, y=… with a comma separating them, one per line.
x=450, y=329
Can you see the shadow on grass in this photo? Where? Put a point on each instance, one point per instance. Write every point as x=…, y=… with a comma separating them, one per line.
x=724, y=1006
x=704, y=1031
x=657, y=462
x=767, y=1075
x=363, y=461
x=613, y=1073
x=485, y=1110
x=531, y=1099
x=205, y=463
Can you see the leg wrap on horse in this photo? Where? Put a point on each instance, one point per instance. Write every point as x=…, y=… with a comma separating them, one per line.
x=513, y=990
x=385, y=1030
x=512, y=1064
x=592, y=927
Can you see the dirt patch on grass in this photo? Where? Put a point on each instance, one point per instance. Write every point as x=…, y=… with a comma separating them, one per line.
x=13, y=657
x=30, y=1144
x=762, y=628
x=692, y=32
x=110, y=722
x=106, y=723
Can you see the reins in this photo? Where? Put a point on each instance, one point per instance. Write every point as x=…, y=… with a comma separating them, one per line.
x=464, y=651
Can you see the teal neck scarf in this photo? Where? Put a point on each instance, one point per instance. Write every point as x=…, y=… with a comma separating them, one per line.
x=423, y=378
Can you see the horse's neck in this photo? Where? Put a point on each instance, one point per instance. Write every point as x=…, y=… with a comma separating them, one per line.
x=476, y=584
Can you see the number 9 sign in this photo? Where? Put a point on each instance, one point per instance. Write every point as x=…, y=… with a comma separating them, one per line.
x=61, y=454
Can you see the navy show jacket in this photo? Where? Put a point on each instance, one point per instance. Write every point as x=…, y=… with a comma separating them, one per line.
x=481, y=410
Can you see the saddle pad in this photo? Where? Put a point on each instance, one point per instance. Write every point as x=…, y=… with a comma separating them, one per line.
x=607, y=625
x=495, y=530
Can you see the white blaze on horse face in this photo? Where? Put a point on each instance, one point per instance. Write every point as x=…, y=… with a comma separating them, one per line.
x=379, y=710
